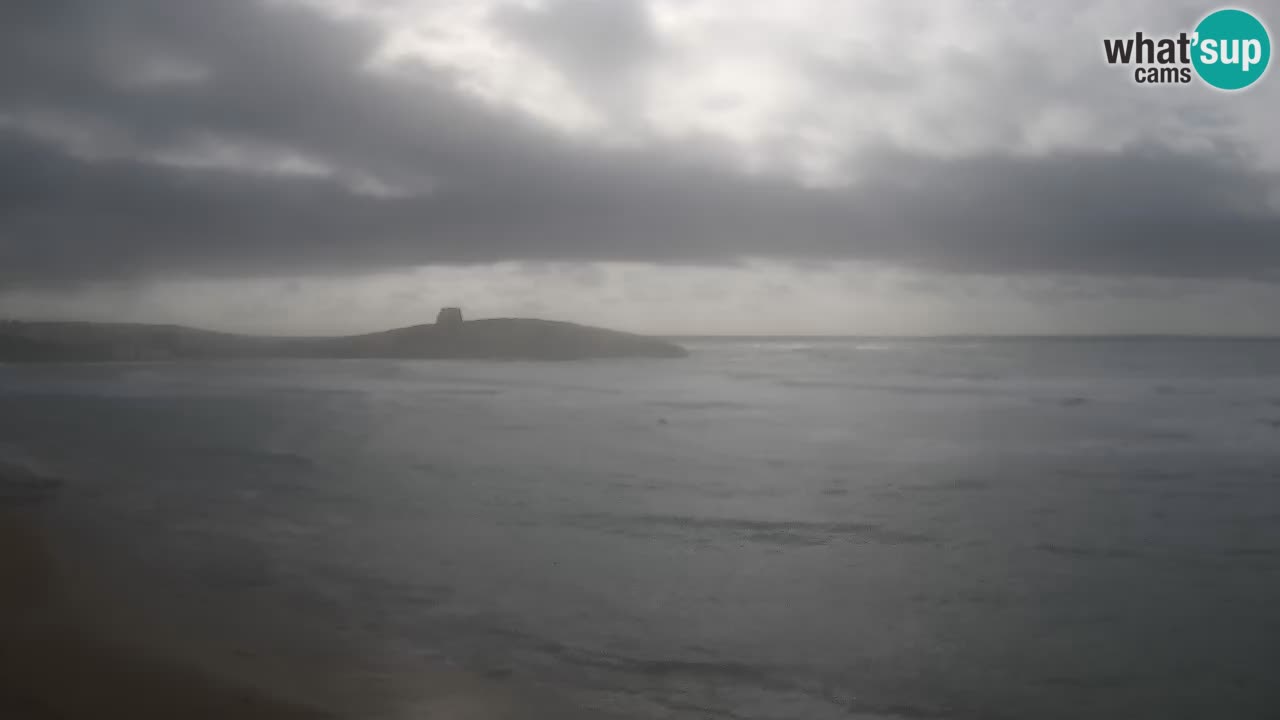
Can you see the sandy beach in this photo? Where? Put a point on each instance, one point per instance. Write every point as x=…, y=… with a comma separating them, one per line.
x=71, y=649
x=53, y=664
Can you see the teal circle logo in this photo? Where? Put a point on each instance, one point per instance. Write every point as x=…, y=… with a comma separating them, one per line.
x=1231, y=49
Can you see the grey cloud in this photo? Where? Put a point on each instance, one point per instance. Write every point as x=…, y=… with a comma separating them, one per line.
x=595, y=39
x=485, y=185
x=601, y=48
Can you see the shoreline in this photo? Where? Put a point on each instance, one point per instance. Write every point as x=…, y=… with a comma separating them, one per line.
x=55, y=664
x=76, y=645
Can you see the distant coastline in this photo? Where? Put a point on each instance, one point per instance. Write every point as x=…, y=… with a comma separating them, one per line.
x=449, y=337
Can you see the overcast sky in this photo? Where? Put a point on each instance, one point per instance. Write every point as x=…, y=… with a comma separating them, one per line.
x=669, y=166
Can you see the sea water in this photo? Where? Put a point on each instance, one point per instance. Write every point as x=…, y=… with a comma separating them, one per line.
x=819, y=528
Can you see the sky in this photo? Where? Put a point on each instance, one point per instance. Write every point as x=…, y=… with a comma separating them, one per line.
x=661, y=166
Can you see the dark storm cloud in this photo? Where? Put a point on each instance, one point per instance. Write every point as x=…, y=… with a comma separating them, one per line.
x=479, y=184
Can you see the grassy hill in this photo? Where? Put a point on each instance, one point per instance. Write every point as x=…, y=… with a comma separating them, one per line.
x=507, y=338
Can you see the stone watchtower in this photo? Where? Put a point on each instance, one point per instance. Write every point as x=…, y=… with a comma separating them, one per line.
x=449, y=318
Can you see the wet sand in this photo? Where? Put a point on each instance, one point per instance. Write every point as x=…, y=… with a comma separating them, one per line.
x=54, y=665
x=70, y=649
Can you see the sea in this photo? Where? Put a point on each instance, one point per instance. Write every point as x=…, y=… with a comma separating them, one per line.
x=780, y=528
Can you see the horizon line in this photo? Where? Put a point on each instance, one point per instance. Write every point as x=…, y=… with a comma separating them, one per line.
x=975, y=336
x=1131, y=335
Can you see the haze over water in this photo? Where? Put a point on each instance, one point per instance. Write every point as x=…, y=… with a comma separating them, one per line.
x=960, y=528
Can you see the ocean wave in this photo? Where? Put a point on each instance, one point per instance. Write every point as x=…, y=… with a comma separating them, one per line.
x=775, y=532
x=1086, y=551
x=751, y=375
x=769, y=688
x=900, y=389
x=256, y=456
x=695, y=405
